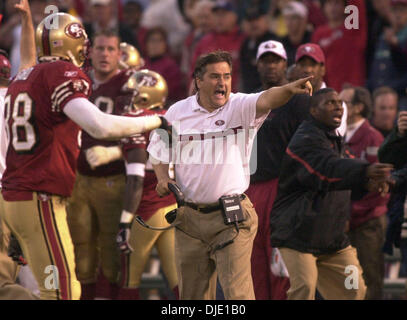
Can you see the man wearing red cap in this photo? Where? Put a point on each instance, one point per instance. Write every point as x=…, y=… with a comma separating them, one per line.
x=310, y=60
x=343, y=46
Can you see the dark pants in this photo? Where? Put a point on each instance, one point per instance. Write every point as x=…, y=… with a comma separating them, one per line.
x=267, y=286
x=368, y=240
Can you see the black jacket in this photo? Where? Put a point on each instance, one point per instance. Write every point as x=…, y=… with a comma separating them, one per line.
x=275, y=134
x=314, y=192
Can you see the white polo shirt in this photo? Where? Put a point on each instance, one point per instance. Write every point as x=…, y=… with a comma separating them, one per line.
x=212, y=154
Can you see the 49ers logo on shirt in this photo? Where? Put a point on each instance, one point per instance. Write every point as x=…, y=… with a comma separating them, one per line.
x=75, y=30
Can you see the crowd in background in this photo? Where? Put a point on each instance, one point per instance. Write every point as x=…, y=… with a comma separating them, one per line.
x=171, y=34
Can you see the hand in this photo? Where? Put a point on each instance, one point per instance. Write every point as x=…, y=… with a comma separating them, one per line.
x=23, y=8
x=379, y=186
x=162, y=187
x=301, y=86
x=15, y=252
x=402, y=123
x=99, y=155
x=123, y=238
x=379, y=171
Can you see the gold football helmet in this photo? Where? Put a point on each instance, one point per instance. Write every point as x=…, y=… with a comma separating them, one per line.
x=63, y=36
x=130, y=57
x=149, y=90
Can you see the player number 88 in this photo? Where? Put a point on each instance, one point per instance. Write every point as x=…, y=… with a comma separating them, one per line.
x=23, y=133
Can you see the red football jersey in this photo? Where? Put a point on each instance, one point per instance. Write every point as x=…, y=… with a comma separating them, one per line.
x=104, y=96
x=43, y=141
x=150, y=201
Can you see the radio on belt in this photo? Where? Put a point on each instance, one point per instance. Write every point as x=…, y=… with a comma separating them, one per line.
x=231, y=209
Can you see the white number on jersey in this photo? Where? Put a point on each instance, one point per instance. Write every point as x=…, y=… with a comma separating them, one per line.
x=23, y=137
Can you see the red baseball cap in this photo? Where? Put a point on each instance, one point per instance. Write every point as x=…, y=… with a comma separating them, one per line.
x=5, y=67
x=311, y=50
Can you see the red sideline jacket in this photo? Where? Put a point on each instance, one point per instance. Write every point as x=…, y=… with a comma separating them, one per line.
x=364, y=144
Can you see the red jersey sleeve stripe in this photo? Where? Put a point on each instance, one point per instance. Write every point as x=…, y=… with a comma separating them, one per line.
x=310, y=169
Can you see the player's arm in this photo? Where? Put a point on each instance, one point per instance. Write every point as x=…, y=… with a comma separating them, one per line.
x=277, y=96
x=135, y=169
x=105, y=126
x=27, y=41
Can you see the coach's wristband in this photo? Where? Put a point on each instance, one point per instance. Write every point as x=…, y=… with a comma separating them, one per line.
x=126, y=217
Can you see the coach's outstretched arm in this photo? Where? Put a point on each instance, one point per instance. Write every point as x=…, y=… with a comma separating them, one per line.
x=105, y=126
x=277, y=96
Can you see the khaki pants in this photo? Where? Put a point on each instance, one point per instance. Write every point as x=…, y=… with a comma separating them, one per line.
x=93, y=217
x=142, y=241
x=41, y=229
x=368, y=239
x=198, y=265
x=325, y=273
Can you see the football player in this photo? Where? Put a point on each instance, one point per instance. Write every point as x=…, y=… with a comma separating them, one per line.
x=9, y=269
x=44, y=107
x=149, y=95
x=96, y=203
x=130, y=57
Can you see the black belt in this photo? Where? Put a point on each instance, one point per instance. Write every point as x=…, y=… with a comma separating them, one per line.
x=208, y=208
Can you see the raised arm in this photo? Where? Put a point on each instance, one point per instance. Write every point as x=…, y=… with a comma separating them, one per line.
x=277, y=96
x=27, y=41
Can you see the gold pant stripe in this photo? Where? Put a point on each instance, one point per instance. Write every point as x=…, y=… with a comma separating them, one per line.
x=47, y=242
x=53, y=243
x=62, y=252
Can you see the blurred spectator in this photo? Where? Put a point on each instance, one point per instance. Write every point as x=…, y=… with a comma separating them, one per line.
x=67, y=6
x=389, y=67
x=227, y=36
x=368, y=215
x=296, y=18
x=202, y=20
x=315, y=14
x=169, y=15
x=393, y=151
x=10, y=32
x=132, y=13
x=158, y=59
x=10, y=20
x=277, y=23
x=379, y=17
x=103, y=19
x=255, y=26
x=344, y=48
x=385, y=101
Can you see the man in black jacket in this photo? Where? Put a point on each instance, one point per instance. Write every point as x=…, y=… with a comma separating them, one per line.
x=313, y=202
